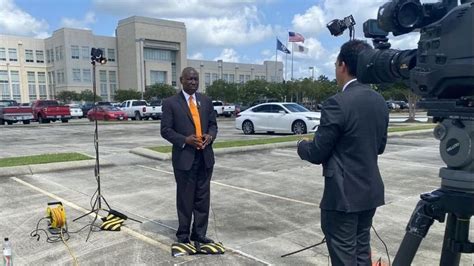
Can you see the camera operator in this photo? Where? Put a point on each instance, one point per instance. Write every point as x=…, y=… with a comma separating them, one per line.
x=351, y=135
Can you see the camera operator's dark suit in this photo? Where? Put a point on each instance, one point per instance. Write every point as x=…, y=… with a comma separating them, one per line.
x=192, y=167
x=351, y=135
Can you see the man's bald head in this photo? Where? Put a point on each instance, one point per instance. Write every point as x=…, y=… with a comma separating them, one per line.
x=190, y=80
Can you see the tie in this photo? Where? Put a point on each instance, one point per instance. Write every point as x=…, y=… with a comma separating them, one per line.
x=196, y=118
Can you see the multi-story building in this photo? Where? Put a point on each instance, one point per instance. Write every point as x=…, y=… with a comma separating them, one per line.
x=145, y=51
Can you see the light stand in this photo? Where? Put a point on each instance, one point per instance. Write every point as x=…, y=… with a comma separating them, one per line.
x=97, y=57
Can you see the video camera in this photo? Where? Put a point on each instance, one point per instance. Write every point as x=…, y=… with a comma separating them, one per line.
x=443, y=65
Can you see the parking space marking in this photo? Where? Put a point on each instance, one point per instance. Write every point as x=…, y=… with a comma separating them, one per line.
x=243, y=189
x=125, y=229
x=80, y=209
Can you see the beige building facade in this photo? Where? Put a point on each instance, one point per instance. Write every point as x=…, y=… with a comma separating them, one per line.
x=145, y=51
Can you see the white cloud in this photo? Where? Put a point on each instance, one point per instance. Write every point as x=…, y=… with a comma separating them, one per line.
x=15, y=21
x=228, y=55
x=406, y=41
x=197, y=56
x=239, y=29
x=208, y=22
x=83, y=23
x=313, y=21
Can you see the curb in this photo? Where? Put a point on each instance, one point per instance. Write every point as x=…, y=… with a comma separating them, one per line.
x=49, y=167
x=167, y=156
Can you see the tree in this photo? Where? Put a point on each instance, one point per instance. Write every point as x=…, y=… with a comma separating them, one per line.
x=222, y=90
x=158, y=91
x=123, y=95
x=400, y=91
x=88, y=96
x=68, y=96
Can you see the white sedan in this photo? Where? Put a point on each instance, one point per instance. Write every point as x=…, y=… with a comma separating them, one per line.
x=76, y=111
x=277, y=117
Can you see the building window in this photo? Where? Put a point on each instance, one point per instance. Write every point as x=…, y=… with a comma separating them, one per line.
x=111, y=55
x=85, y=52
x=103, y=84
x=247, y=78
x=159, y=55
x=241, y=79
x=47, y=56
x=3, y=55
x=29, y=56
x=31, y=85
x=207, y=79
x=231, y=78
x=39, y=56
x=51, y=52
x=56, y=52
x=158, y=77
x=262, y=78
x=76, y=75
x=60, y=77
x=86, y=75
x=15, y=78
x=74, y=52
x=214, y=77
x=52, y=88
x=12, y=56
x=112, y=83
x=61, y=52
x=42, y=85
x=226, y=77
x=4, y=84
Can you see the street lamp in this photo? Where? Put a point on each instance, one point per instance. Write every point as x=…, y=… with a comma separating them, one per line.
x=312, y=72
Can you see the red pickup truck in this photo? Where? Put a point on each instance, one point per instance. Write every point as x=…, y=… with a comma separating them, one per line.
x=11, y=112
x=45, y=111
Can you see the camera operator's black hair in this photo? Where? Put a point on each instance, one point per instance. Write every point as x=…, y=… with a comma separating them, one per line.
x=349, y=52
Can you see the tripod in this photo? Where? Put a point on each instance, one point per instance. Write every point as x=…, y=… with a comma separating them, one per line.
x=97, y=56
x=455, y=197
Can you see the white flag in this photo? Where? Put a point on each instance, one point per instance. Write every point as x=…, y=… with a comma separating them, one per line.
x=300, y=48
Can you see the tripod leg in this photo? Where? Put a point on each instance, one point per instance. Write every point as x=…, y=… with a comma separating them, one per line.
x=416, y=230
x=456, y=230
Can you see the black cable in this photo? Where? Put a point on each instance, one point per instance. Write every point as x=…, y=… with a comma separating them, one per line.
x=386, y=249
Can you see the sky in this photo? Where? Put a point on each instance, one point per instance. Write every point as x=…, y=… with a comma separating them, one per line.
x=242, y=31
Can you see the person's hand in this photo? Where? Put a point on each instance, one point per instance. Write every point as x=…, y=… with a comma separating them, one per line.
x=301, y=140
x=194, y=141
x=206, y=140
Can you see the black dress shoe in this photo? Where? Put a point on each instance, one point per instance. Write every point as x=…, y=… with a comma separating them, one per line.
x=183, y=240
x=202, y=239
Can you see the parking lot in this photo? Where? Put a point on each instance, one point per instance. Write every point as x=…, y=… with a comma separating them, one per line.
x=263, y=204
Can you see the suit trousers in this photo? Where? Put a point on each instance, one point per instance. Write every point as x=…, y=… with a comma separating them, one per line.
x=193, y=198
x=348, y=236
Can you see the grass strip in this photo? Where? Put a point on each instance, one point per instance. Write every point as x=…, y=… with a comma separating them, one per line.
x=42, y=159
x=250, y=142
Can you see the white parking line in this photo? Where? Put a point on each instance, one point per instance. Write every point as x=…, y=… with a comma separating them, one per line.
x=243, y=189
x=80, y=209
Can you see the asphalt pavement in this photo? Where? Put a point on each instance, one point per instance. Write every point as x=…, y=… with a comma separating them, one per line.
x=263, y=204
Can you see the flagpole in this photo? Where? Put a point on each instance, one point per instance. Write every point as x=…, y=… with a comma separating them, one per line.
x=286, y=60
x=292, y=46
x=276, y=60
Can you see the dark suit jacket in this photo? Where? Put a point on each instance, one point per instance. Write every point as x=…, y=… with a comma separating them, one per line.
x=351, y=135
x=177, y=123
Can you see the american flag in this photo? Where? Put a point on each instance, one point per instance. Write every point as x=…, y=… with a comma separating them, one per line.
x=295, y=37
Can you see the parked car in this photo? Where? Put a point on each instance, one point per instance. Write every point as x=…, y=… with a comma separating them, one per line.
x=45, y=111
x=222, y=109
x=76, y=111
x=279, y=117
x=85, y=107
x=140, y=109
x=11, y=112
x=402, y=104
x=392, y=105
x=106, y=112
